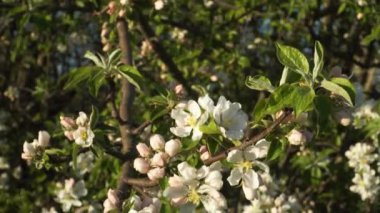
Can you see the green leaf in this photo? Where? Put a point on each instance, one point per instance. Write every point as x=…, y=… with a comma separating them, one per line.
x=318, y=59
x=347, y=85
x=336, y=89
x=374, y=35
x=95, y=82
x=210, y=128
x=260, y=83
x=299, y=98
x=292, y=58
x=275, y=150
x=95, y=59
x=94, y=116
x=132, y=75
x=259, y=111
x=114, y=57
x=78, y=75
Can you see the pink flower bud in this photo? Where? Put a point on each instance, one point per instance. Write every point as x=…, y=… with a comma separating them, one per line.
x=179, y=89
x=43, y=139
x=159, y=159
x=69, y=135
x=344, y=117
x=112, y=196
x=172, y=147
x=141, y=165
x=121, y=13
x=111, y=7
x=157, y=142
x=156, y=173
x=296, y=137
x=67, y=123
x=143, y=150
x=205, y=156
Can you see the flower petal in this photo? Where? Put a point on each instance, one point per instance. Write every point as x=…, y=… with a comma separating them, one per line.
x=181, y=131
x=206, y=103
x=234, y=177
x=194, y=109
x=235, y=156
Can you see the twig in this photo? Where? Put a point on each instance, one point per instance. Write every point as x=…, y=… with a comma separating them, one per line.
x=143, y=182
x=254, y=139
x=141, y=128
x=128, y=94
x=150, y=35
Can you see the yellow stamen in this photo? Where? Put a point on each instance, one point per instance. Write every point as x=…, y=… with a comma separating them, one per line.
x=193, y=196
x=245, y=165
x=84, y=135
x=191, y=121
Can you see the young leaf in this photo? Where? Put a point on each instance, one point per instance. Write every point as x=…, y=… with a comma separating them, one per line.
x=347, y=85
x=94, y=58
x=275, y=150
x=132, y=75
x=211, y=128
x=292, y=58
x=78, y=75
x=301, y=99
x=259, y=111
x=260, y=83
x=318, y=59
x=336, y=89
x=94, y=116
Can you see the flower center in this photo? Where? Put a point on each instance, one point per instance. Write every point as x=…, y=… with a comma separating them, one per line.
x=245, y=165
x=84, y=135
x=193, y=196
x=191, y=120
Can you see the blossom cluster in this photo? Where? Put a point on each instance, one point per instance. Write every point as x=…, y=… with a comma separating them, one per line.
x=78, y=130
x=37, y=147
x=190, y=116
x=366, y=182
x=154, y=158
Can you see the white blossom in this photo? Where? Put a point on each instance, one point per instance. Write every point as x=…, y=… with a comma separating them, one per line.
x=195, y=186
x=364, y=113
x=69, y=195
x=30, y=150
x=188, y=118
x=83, y=136
x=85, y=163
x=361, y=155
x=365, y=182
x=244, y=163
x=230, y=118
x=147, y=205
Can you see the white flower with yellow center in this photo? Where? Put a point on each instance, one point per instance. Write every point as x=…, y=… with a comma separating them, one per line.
x=69, y=195
x=30, y=150
x=230, y=118
x=244, y=163
x=188, y=118
x=195, y=186
x=83, y=136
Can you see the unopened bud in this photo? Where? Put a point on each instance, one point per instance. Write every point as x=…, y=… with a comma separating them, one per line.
x=172, y=147
x=296, y=137
x=157, y=142
x=141, y=165
x=344, y=117
x=205, y=156
x=123, y=2
x=43, y=138
x=106, y=47
x=112, y=196
x=69, y=135
x=121, y=13
x=156, y=173
x=67, y=122
x=143, y=150
x=159, y=159
x=111, y=7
